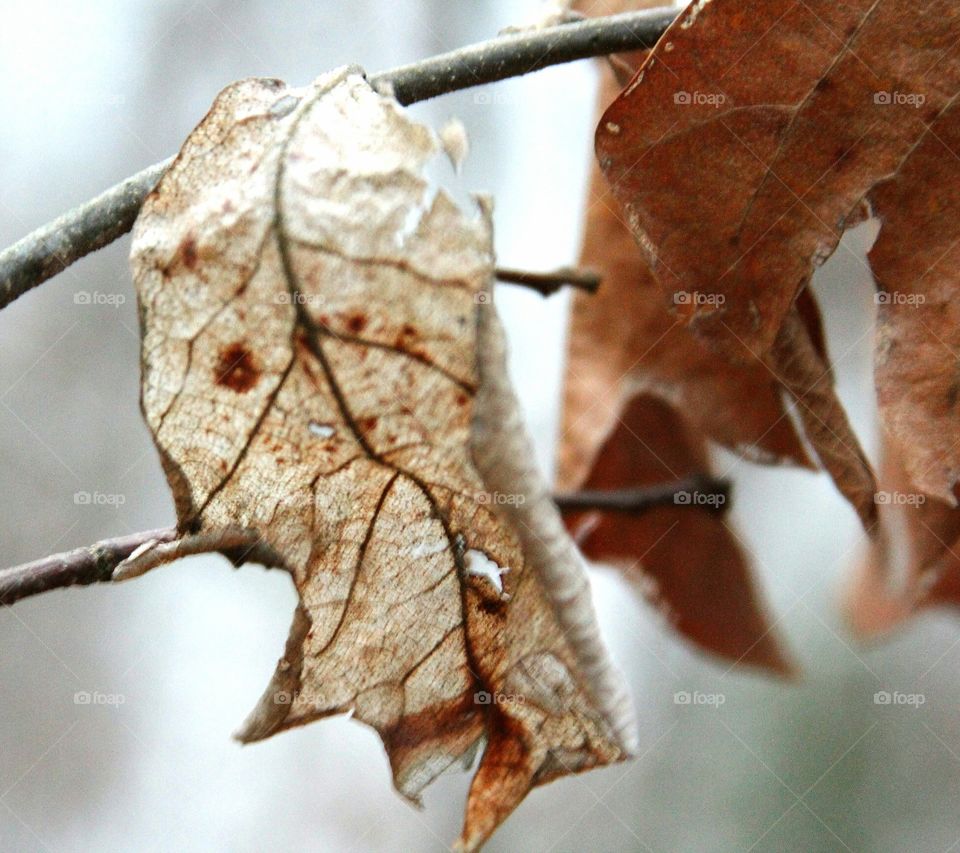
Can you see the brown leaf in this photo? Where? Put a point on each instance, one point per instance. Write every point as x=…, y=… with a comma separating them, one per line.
x=623, y=341
x=314, y=371
x=640, y=388
x=750, y=138
x=801, y=368
x=684, y=559
x=917, y=264
x=915, y=561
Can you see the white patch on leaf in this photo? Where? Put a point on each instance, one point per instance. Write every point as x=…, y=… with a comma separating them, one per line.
x=321, y=430
x=481, y=566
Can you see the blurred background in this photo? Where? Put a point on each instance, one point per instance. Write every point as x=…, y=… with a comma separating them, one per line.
x=91, y=92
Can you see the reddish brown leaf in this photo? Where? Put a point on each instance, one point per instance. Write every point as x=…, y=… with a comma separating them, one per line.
x=917, y=264
x=745, y=145
x=800, y=366
x=915, y=561
x=623, y=341
x=684, y=559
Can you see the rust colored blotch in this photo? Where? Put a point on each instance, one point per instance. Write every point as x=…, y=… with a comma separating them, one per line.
x=357, y=323
x=368, y=424
x=492, y=608
x=436, y=723
x=953, y=392
x=236, y=368
x=303, y=339
x=188, y=252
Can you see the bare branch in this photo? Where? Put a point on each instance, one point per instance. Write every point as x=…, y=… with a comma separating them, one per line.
x=696, y=492
x=97, y=563
x=547, y=283
x=514, y=55
x=92, y=564
x=55, y=246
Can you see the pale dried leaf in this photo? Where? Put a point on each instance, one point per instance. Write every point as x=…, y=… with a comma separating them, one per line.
x=456, y=145
x=310, y=373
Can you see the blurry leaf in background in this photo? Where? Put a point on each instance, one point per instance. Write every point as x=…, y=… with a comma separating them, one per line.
x=685, y=560
x=739, y=172
x=641, y=397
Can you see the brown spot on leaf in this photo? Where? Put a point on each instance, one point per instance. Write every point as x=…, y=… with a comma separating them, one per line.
x=357, y=323
x=188, y=252
x=843, y=157
x=236, y=368
x=952, y=393
x=491, y=607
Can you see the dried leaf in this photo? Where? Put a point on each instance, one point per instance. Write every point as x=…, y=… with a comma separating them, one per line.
x=915, y=561
x=747, y=142
x=313, y=367
x=641, y=389
x=800, y=366
x=916, y=259
x=623, y=341
x=685, y=559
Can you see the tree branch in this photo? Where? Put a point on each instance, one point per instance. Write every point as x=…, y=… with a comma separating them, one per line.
x=96, y=563
x=81, y=567
x=547, y=283
x=97, y=223
x=696, y=492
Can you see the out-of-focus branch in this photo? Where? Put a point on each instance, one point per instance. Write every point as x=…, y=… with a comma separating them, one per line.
x=81, y=567
x=696, y=492
x=93, y=225
x=97, y=563
x=547, y=283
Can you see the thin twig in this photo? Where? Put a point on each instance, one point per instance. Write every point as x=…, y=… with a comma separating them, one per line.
x=55, y=246
x=696, y=492
x=92, y=564
x=548, y=283
x=96, y=563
